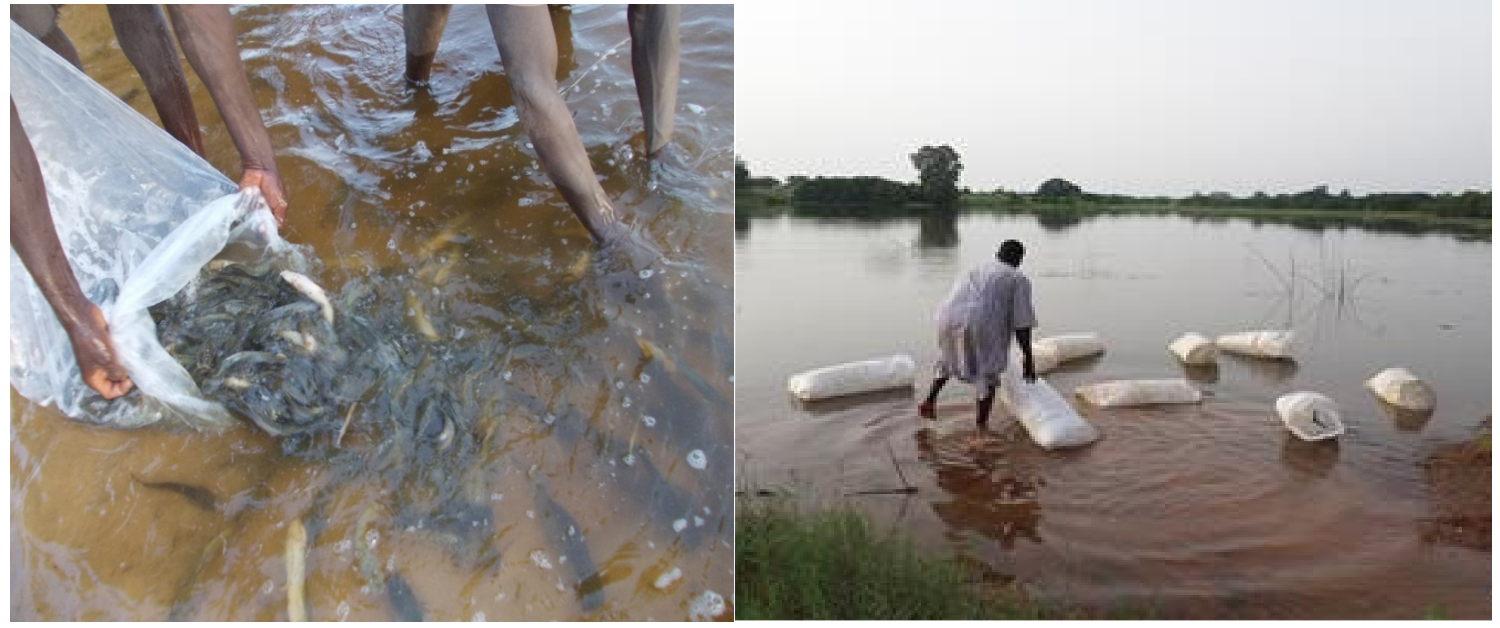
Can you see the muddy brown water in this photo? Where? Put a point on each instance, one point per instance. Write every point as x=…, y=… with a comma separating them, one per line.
x=1205, y=511
x=374, y=172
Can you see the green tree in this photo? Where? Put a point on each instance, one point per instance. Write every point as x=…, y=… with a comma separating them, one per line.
x=741, y=174
x=938, y=168
x=1058, y=189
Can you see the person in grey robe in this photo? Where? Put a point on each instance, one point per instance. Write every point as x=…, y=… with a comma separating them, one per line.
x=975, y=325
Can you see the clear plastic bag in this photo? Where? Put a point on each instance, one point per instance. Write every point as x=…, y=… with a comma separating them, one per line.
x=138, y=215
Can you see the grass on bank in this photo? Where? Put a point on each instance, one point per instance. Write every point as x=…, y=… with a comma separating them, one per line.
x=831, y=566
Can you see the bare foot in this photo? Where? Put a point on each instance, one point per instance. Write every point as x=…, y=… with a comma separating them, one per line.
x=926, y=411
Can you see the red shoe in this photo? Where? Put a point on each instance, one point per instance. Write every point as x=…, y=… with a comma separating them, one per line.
x=925, y=411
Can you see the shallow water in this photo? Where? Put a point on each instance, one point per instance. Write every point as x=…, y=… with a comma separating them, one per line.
x=538, y=340
x=1206, y=511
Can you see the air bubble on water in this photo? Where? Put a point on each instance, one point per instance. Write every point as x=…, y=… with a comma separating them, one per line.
x=562, y=559
x=525, y=202
x=471, y=167
x=343, y=610
x=539, y=557
x=645, y=378
x=697, y=459
x=391, y=245
x=629, y=460
x=342, y=546
x=531, y=514
x=706, y=511
x=267, y=587
x=420, y=152
x=372, y=538
x=697, y=521
x=549, y=419
x=478, y=617
x=649, y=420
x=435, y=291
x=609, y=162
x=651, y=544
x=515, y=177
x=528, y=145
x=507, y=376
x=460, y=334
x=411, y=175
x=495, y=497
x=706, y=607
x=438, y=169
x=695, y=108
x=626, y=403
x=646, y=274
x=619, y=384
x=679, y=525
x=353, y=225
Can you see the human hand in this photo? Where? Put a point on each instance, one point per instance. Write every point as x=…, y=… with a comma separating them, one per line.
x=269, y=183
x=97, y=363
x=1028, y=370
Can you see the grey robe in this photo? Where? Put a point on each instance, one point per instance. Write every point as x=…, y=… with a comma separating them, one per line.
x=978, y=319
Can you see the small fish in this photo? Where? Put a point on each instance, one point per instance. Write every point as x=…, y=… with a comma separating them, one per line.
x=447, y=236
x=403, y=600
x=419, y=317
x=566, y=537
x=441, y=276
x=311, y=290
x=575, y=272
x=306, y=341
x=200, y=497
x=296, y=571
x=676, y=365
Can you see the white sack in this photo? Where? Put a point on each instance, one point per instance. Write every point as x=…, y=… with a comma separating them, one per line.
x=1050, y=352
x=138, y=214
x=1262, y=344
x=1047, y=417
x=1194, y=349
x=1398, y=387
x=897, y=371
x=1310, y=415
x=1139, y=392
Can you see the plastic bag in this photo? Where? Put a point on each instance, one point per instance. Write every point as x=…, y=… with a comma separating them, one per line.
x=1051, y=352
x=1047, y=417
x=1398, y=387
x=138, y=215
x=897, y=371
x=1309, y=415
x=1194, y=349
x=1139, y=392
x=1260, y=344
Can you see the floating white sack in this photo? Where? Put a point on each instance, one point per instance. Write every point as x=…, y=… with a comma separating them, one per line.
x=1194, y=349
x=897, y=371
x=1263, y=344
x=1065, y=347
x=1398, y=387
x=1139, y=392
x=1047, y=417
x=1310, y=415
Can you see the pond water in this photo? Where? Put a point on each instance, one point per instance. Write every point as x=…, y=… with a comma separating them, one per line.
x=590, y=389
x=1207, y=511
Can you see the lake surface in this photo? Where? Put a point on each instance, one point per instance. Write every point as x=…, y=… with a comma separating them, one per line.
x=1206, y=511
x=585, y=381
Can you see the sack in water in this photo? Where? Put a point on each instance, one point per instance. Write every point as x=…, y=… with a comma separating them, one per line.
x=1139, y=392
x=897, y=371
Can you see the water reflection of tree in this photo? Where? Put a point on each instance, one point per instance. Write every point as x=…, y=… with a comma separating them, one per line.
x=989, y=495
x=1058, y=221
x=938, y=230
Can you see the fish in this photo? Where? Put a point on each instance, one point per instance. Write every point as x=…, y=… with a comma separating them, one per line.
x=566, y=538
x=296, y=571
x=200, y=497
x=311, y=290
x=403, y=601
x=676, y=365
x=419, y=317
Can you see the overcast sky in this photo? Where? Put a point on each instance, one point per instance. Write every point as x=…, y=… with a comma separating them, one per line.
x=1129, y=96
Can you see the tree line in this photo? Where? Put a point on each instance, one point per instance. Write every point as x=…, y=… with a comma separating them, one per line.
x=938, y=169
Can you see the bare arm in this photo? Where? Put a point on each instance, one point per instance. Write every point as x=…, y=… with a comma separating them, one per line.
x=34, y=237
x=207, y=37
x=1028, y=368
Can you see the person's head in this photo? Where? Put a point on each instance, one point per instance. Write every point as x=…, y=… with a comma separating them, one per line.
x=1011, y=253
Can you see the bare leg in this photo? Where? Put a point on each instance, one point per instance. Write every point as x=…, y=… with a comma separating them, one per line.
x=41, y=21
x=142, y=32
x=423, y=24
x=928, y=409
x=528, y=49
x=653, y=57
x=982, y=406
